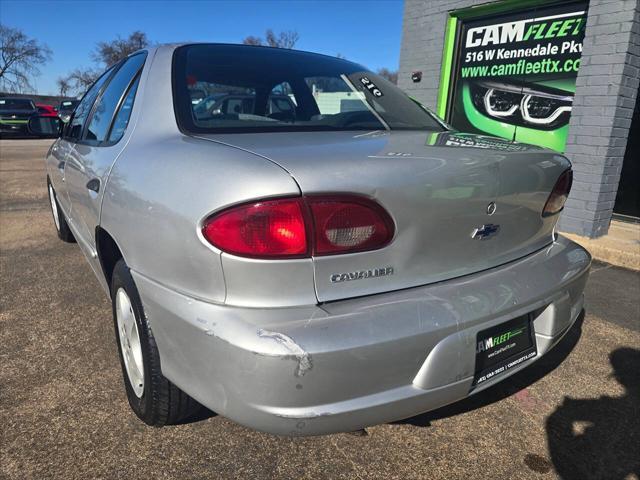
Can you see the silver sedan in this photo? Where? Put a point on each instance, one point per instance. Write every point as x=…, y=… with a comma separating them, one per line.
x=291, y=241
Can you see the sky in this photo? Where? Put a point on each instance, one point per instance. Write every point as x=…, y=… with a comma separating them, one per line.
x=364, y=31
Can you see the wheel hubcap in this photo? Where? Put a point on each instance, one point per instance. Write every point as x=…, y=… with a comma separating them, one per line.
x=130, y=342
x=54, y=207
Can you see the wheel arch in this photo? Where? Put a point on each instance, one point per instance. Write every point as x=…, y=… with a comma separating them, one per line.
x=108, y=253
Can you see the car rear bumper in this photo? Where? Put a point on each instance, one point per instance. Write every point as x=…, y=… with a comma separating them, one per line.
x=345, y=365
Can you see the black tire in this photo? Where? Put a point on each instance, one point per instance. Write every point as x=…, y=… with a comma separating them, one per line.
x=59, y=221
x=161, y=402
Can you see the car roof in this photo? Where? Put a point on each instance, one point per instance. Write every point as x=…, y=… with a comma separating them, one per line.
x=173, y=46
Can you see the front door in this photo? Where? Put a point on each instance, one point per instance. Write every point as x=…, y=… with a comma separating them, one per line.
x=57, y=160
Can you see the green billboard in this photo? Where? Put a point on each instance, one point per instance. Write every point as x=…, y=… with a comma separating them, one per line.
x=513, y=74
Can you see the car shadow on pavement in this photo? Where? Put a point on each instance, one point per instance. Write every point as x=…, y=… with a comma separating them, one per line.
x=502, y=390
x=203, y=413
x=598, y=438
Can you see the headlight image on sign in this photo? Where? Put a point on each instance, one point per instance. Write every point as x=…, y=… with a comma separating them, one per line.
x=515, y=73
x=541, y=107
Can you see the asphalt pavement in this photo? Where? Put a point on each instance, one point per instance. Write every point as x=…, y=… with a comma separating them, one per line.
x=64, y=414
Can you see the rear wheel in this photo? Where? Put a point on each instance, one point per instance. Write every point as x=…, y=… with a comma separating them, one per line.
x=153, y=398
x=62, y=227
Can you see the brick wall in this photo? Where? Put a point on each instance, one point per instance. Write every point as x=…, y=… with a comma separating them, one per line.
x=423, y=29
x=606, y=89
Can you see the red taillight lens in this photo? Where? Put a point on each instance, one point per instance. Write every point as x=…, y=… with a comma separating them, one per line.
x=300, y=227
x=273, y=228
x=344, y=225
x=559, y=194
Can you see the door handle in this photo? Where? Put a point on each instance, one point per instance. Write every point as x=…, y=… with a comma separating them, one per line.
x=61, y=166
x=94, y=185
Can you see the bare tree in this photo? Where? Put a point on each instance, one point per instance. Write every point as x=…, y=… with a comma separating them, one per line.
x=104, y=54
x=286, y=39
x=20, y=57
x=81, y=79
x=64, y=86
x=391, y=75
x=251, y=40
x=108, y=53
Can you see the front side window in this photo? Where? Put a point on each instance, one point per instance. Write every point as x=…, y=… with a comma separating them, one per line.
x=111, y=98
x=74, y=128
x=249, y=89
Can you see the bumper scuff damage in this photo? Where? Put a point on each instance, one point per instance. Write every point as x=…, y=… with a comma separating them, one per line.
x=362, y=361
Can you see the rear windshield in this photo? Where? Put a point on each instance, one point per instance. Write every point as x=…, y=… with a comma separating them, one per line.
x=16, y=104
x=236, y=88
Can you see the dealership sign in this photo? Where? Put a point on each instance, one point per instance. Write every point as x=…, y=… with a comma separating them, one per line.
x=514, y=75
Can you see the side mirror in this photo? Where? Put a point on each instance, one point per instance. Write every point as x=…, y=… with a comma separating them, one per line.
x=48, y=127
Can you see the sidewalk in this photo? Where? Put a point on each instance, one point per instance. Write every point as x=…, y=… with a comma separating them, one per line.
x=620, y=247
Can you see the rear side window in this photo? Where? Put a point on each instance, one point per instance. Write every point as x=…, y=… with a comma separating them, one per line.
x=74, y=129
x=124, y=113
x=113, y=96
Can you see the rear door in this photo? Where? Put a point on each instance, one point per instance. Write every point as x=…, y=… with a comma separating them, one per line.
x=90, y=160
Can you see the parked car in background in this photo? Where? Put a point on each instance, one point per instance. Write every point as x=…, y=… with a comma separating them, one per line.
x=45, y=110
x=15, y=114
x=357, y=264
x=66, y=108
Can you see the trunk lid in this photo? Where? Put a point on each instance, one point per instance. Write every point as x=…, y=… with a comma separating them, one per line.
x=437, y=187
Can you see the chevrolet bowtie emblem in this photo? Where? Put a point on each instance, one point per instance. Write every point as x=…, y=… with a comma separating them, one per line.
x=485, y=231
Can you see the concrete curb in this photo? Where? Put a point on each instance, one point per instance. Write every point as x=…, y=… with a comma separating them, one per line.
x=620, y=247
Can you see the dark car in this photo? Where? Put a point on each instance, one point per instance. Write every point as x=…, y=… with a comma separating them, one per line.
x=15, y=114
x=66, y=107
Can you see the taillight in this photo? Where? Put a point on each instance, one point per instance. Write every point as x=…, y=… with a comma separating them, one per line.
x=559, y=194
x=300, y=227
x=273, y=228
x=348, y=224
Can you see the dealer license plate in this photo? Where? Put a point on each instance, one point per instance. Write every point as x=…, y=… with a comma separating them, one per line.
x=503, y=347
